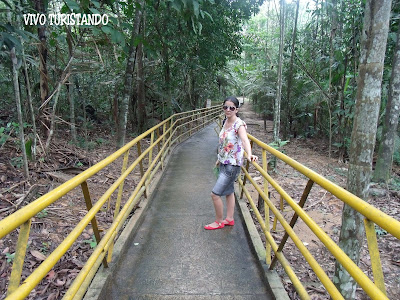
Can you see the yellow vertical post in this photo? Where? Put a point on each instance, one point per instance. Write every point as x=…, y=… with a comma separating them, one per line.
x=374, y=254
x=89, y=205
x=158, y=136
x=170, y=135
x=244, y=180
x=179, y=131
x=139, y=150
x=146, y=182
x=281, y=208
x=19, y=257
x=191, y=123
x=121, y=186
x=198, y=121
x=118, y=202
x=163, y=142
x=266, y=208
x=151, y=148
x=247, y=169
x=275, y=221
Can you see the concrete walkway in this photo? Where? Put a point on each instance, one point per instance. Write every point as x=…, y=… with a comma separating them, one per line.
x=172, y=256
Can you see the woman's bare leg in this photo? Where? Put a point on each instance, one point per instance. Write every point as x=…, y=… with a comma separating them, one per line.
x=230, y=206
x=219, y=210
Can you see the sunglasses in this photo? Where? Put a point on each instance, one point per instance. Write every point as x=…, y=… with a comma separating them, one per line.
x=231, y=108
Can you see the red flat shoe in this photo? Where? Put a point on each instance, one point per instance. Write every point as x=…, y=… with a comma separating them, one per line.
x=220, y=225
x=229, y=223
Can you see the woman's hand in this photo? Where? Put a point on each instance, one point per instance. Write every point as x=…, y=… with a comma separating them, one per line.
x=217, y=163
x=252, y=157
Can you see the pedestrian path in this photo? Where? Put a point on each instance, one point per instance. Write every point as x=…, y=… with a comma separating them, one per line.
x=172, y=256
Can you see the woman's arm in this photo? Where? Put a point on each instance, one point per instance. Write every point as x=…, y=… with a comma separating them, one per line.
x=246, y=143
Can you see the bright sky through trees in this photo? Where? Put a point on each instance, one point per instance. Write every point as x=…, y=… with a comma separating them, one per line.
x=305, y=5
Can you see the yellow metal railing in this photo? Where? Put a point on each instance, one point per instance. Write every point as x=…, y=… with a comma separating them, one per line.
x=372, y=216
x=162, y=138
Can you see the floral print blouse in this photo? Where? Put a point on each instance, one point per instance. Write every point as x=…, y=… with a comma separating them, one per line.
x=230, y=149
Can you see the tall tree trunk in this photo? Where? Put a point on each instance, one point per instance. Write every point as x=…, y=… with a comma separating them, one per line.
x=373, y=46
x=130, y=67
x=56, y=93
x=44, y=86
x=341, y=119
x=71, y=101
x=29, y=96
x=163, y=37
x=167, y=78
x=141, y=105
x=70, y=89
x=82, y=103
x=331, y=60
x=14, y=63
x=386, y=149
x=277, y=105
x=53, y=118
x=114, y=105
x=288, y=113
x=32, y=111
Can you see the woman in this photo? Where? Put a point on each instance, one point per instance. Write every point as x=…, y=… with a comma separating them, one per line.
x=232, y=143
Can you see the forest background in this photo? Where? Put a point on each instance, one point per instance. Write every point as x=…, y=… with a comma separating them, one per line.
x=298, y=61
x=155, y=58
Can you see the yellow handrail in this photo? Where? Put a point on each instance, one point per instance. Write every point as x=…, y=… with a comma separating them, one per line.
x=22, y=218
x=372, y=216
x=386, y=222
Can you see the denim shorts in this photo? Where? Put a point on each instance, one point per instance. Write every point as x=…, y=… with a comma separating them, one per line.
x=226, y=180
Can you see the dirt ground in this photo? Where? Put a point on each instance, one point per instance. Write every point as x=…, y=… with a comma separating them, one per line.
x=324, y=208
x=53, y=224
x=64, y=161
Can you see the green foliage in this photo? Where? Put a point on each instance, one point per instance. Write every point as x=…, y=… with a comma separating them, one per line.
x=17, y=162
x=379, y=231
x=13, y=128
x=10, y=257
x=185, y=41
x=396, y=157
x=28, y=149
x=278, y=144
x=396, y=153
x=11, y=35
x=42, y=214
x=101, y=141
x=196, y=50
x=345, y=144
x=92, y=242
x=9, y=129
x=3, y=136
x=45, y=247
x=315, y=73
x=5, y=132
x=91, y=144
x=395, y=183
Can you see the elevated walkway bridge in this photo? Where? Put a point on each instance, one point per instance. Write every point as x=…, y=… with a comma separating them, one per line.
x=156, y=247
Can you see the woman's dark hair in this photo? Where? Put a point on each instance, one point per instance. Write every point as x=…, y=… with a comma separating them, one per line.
x=233, y=99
